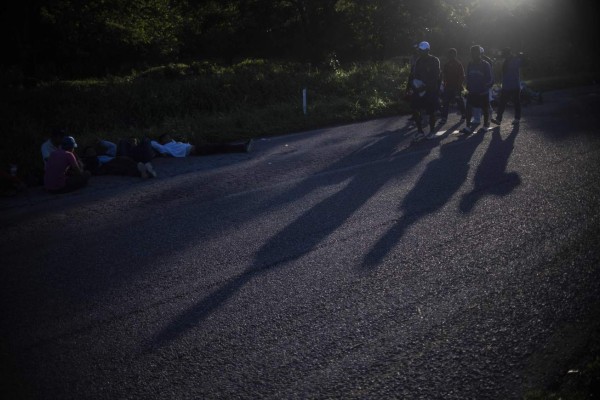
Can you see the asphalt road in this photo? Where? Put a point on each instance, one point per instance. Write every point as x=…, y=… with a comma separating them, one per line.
x=338, y=263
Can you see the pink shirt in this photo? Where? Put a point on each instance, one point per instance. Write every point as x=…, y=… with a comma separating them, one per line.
x=56, y=167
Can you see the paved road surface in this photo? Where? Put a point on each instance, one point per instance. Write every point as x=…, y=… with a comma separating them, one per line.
x=338, y=263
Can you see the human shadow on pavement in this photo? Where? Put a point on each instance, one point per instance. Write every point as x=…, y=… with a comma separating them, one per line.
x=441, y=179
x=491, y=176
x=312, y=227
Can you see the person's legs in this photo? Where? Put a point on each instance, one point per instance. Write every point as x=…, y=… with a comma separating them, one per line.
x=417, y=119
x=431, y=107
x=485, y=109
x=121, y=166
x=501, y=107
x=416, y=105
x=461, y=104
x=469, y=114
x=517, y=102
x=476, y=114
x=469, y=109
x=446, y=97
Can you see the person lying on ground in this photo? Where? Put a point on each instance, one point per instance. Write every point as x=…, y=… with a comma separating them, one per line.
x=102, y=159
x=64, y=173
x=167, y=146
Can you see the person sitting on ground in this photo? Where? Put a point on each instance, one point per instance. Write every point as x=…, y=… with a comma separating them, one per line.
x=102, y=159
x=64, y=173
x=53, y=143
x=167, y=146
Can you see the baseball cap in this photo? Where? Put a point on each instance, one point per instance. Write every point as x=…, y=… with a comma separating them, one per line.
x=424, y=46
x=68, y=143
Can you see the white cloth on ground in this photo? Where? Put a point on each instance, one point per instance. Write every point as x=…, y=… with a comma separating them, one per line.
x=172, y=148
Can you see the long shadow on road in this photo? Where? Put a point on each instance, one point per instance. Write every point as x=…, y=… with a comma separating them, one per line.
x=491, y=176
x=311, y=228
x=441, y=179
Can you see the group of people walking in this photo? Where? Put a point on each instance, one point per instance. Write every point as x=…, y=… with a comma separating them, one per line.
x=433, y=87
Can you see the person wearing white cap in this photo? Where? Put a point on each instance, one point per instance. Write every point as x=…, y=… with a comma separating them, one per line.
x=425, y=85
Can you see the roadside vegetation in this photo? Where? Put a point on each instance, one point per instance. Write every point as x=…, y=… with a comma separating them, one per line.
x=208, y=102
x=200, y=101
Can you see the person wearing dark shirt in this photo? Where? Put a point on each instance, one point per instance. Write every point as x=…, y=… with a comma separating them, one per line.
x=511, y=85
x=453, y=74
x=425, y=89
x=476, y=110
x=479, y=82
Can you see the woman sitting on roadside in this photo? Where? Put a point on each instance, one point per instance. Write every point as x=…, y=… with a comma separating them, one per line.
x=64, y=172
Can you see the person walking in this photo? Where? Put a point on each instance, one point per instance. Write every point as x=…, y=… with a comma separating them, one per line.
x=453, y=75
x=476, y=110
x=511, y=85
x=479, y=82
x=425, y=87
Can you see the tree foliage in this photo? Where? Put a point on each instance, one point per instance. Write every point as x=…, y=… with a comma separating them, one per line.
x=67, y=38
